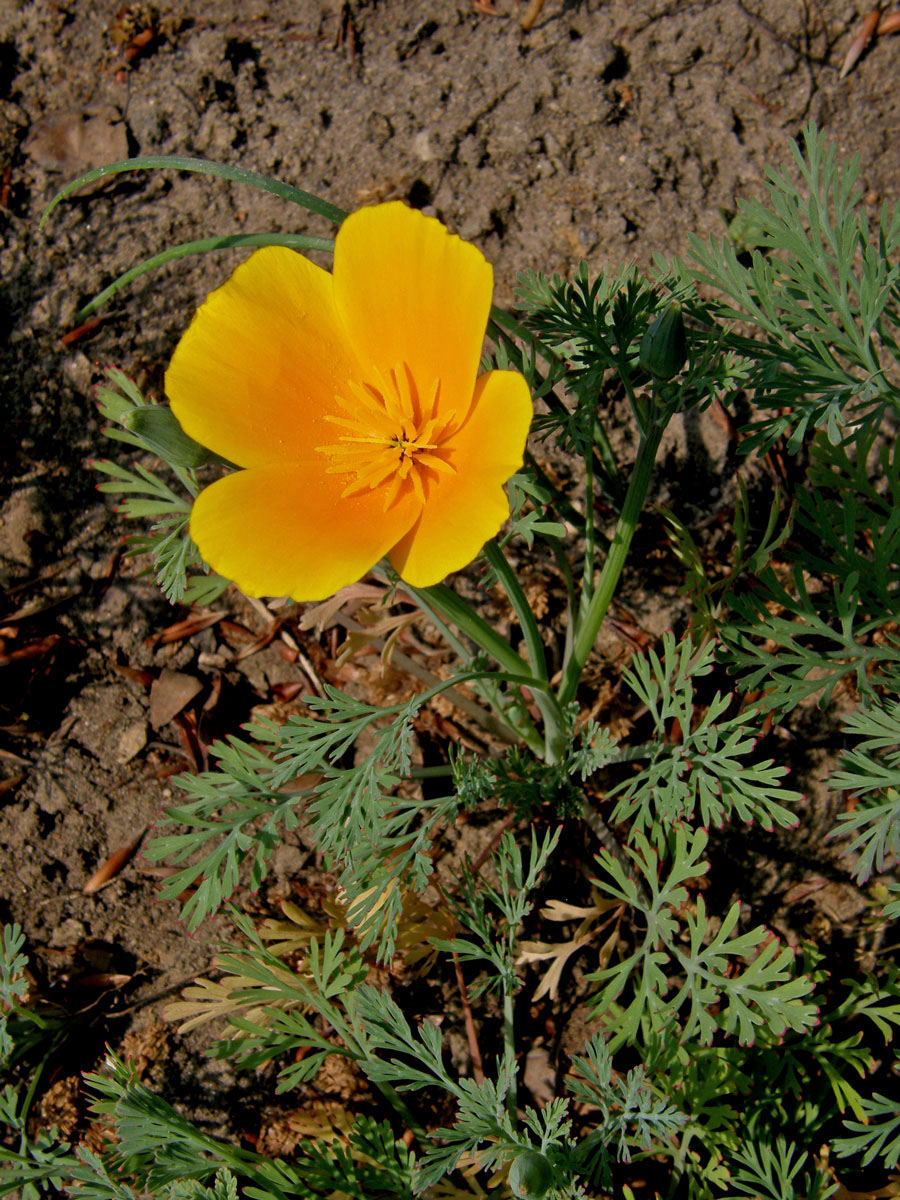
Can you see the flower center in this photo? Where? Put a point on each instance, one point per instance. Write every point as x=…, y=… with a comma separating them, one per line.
x=393, y=435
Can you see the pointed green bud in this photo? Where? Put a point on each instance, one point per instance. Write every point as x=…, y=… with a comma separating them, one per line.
x=158, y=428
x=531, y=1176
x=664, y=345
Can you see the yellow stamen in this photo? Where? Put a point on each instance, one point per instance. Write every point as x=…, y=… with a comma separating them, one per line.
x=390, y=439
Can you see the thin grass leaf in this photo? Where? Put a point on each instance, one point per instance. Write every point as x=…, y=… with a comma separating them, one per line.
x=293, y=241
x=179, y=162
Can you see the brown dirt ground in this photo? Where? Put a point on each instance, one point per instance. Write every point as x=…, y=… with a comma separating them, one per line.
x=608, y=131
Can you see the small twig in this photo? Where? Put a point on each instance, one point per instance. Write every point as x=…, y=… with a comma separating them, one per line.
x=610, y=842
x=531, y=14
x=110, y=868
x=471, y=1035
x=163, y=992
x=864, y=35
x=311, y=673
x=492, y=844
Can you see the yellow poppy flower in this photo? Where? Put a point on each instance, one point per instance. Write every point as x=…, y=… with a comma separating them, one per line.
x=353, y=402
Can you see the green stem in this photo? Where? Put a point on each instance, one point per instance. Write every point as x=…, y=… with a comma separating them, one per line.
x=32, y=1088
x=589, y=625
x=571, y=602
x=554, y=723
x=509, y=1045
x=521, y=607
x=589, y=523
x=487, y=691
x=604, y=451
x=403, y=1110
x=463, y=616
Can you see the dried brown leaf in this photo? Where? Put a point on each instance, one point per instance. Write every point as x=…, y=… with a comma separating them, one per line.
x=320, y=616
x=234, y=993
x=561, y=910
x=73, y=142
x=865, y=33
x=169, y=694
x=180, y=630
x=560, y=955
x=293, y=935
x=101, y=981
x=109, y=869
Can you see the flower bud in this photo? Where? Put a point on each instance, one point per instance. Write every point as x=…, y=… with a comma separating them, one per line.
x=531, y=1176
x=664, y=345
x=158, y=427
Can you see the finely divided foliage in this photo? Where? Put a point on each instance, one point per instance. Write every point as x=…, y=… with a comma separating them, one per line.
x=739, y=1065
x=872, y=771
x=707, y=982
x=821, y=295
x=696, y=767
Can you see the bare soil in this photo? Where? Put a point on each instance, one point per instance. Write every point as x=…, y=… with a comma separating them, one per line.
x=608, y=131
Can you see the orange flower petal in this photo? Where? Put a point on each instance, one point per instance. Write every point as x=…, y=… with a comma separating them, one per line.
x=464, y=509
x=411, y=292
x=262, y=361
x=279, y=530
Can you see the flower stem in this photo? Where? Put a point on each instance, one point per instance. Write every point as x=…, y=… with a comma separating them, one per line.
x=554, y=723
x=442, y=771
x=589, y=524
x=455, y=610
x=509, y=1045
x=592, y=619
x=464, y=617
x=522, y=608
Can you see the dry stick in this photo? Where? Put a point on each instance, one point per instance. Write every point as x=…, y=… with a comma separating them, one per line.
x=493, y=843
x=305, y=664
x=867, y=30
x=471, y=1035
x=159, y=995
x=531, y=14
x=610, y=842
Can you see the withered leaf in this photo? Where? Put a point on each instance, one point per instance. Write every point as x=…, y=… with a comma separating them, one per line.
x=108, y=870
x=169, y=694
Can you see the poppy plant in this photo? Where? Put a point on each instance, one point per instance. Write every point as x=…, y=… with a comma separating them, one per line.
x=353, y=404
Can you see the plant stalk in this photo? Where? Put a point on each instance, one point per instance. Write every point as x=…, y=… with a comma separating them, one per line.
x=454, y=609
x=509, y=1046
x=521, y=607
x=554, y=724
x=589, y=625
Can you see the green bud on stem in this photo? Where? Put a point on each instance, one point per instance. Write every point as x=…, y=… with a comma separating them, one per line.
x=531, y=1176
x=664, y=345
x=158, y=427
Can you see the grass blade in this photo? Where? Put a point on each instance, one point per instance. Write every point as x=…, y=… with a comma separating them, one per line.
x=295, y=241
x=180, y=162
